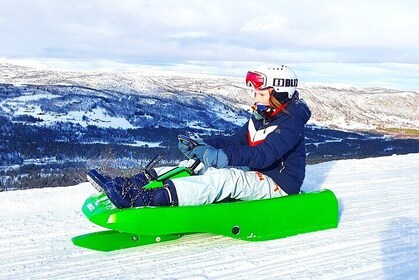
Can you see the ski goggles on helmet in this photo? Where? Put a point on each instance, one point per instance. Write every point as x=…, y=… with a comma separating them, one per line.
x=256, y=79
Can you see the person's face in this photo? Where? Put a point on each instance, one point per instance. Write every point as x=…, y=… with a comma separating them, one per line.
x=262, y=96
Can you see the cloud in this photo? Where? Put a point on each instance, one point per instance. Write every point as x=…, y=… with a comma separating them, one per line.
x=192, y=34
x=163, y=31
x=334, y=31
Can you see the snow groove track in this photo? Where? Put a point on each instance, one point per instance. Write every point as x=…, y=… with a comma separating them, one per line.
x=377, y=237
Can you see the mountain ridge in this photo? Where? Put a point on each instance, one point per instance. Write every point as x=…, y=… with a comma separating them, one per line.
x=56, y=125
x=343, y=107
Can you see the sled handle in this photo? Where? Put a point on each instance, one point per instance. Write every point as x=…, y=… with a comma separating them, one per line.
x=150, y=165
x=153, y=162
x=195, y=165
x=187, y=140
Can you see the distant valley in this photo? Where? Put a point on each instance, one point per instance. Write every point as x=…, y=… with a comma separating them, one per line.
x=55, y=125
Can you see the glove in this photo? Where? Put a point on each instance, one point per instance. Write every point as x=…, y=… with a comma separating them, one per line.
x=210, y=156
x=185, y=148
x=186, y=144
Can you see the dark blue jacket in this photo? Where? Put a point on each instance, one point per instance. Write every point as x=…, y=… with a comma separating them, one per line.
x=275, y=148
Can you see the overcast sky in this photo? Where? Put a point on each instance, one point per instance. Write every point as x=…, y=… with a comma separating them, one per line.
x=359, y=42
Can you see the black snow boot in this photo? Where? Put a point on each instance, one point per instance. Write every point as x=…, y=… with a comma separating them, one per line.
x=126, y=192
x=164, y=196
x=97, y=179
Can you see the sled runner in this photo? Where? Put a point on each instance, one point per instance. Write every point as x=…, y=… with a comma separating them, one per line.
x=111, y=240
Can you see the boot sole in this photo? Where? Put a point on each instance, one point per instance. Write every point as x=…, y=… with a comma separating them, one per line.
x=94, y=183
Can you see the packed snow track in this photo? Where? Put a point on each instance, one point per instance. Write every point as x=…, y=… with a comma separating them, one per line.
x=377, y=236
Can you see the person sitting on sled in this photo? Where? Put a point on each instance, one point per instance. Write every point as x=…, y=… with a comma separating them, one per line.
x=263, y=159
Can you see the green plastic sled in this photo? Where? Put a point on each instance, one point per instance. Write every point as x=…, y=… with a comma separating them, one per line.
x=247, y=220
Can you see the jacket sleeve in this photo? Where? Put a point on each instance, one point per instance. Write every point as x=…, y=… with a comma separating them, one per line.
x=275, y=146
x=237, y=139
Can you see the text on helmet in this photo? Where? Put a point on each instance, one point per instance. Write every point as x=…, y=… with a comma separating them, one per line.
x=285, y=82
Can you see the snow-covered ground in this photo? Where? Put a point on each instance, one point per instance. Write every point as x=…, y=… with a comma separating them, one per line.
x=377, y=237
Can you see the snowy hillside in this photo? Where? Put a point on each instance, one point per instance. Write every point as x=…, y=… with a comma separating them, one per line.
x=377, y=237
x=340, y=106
